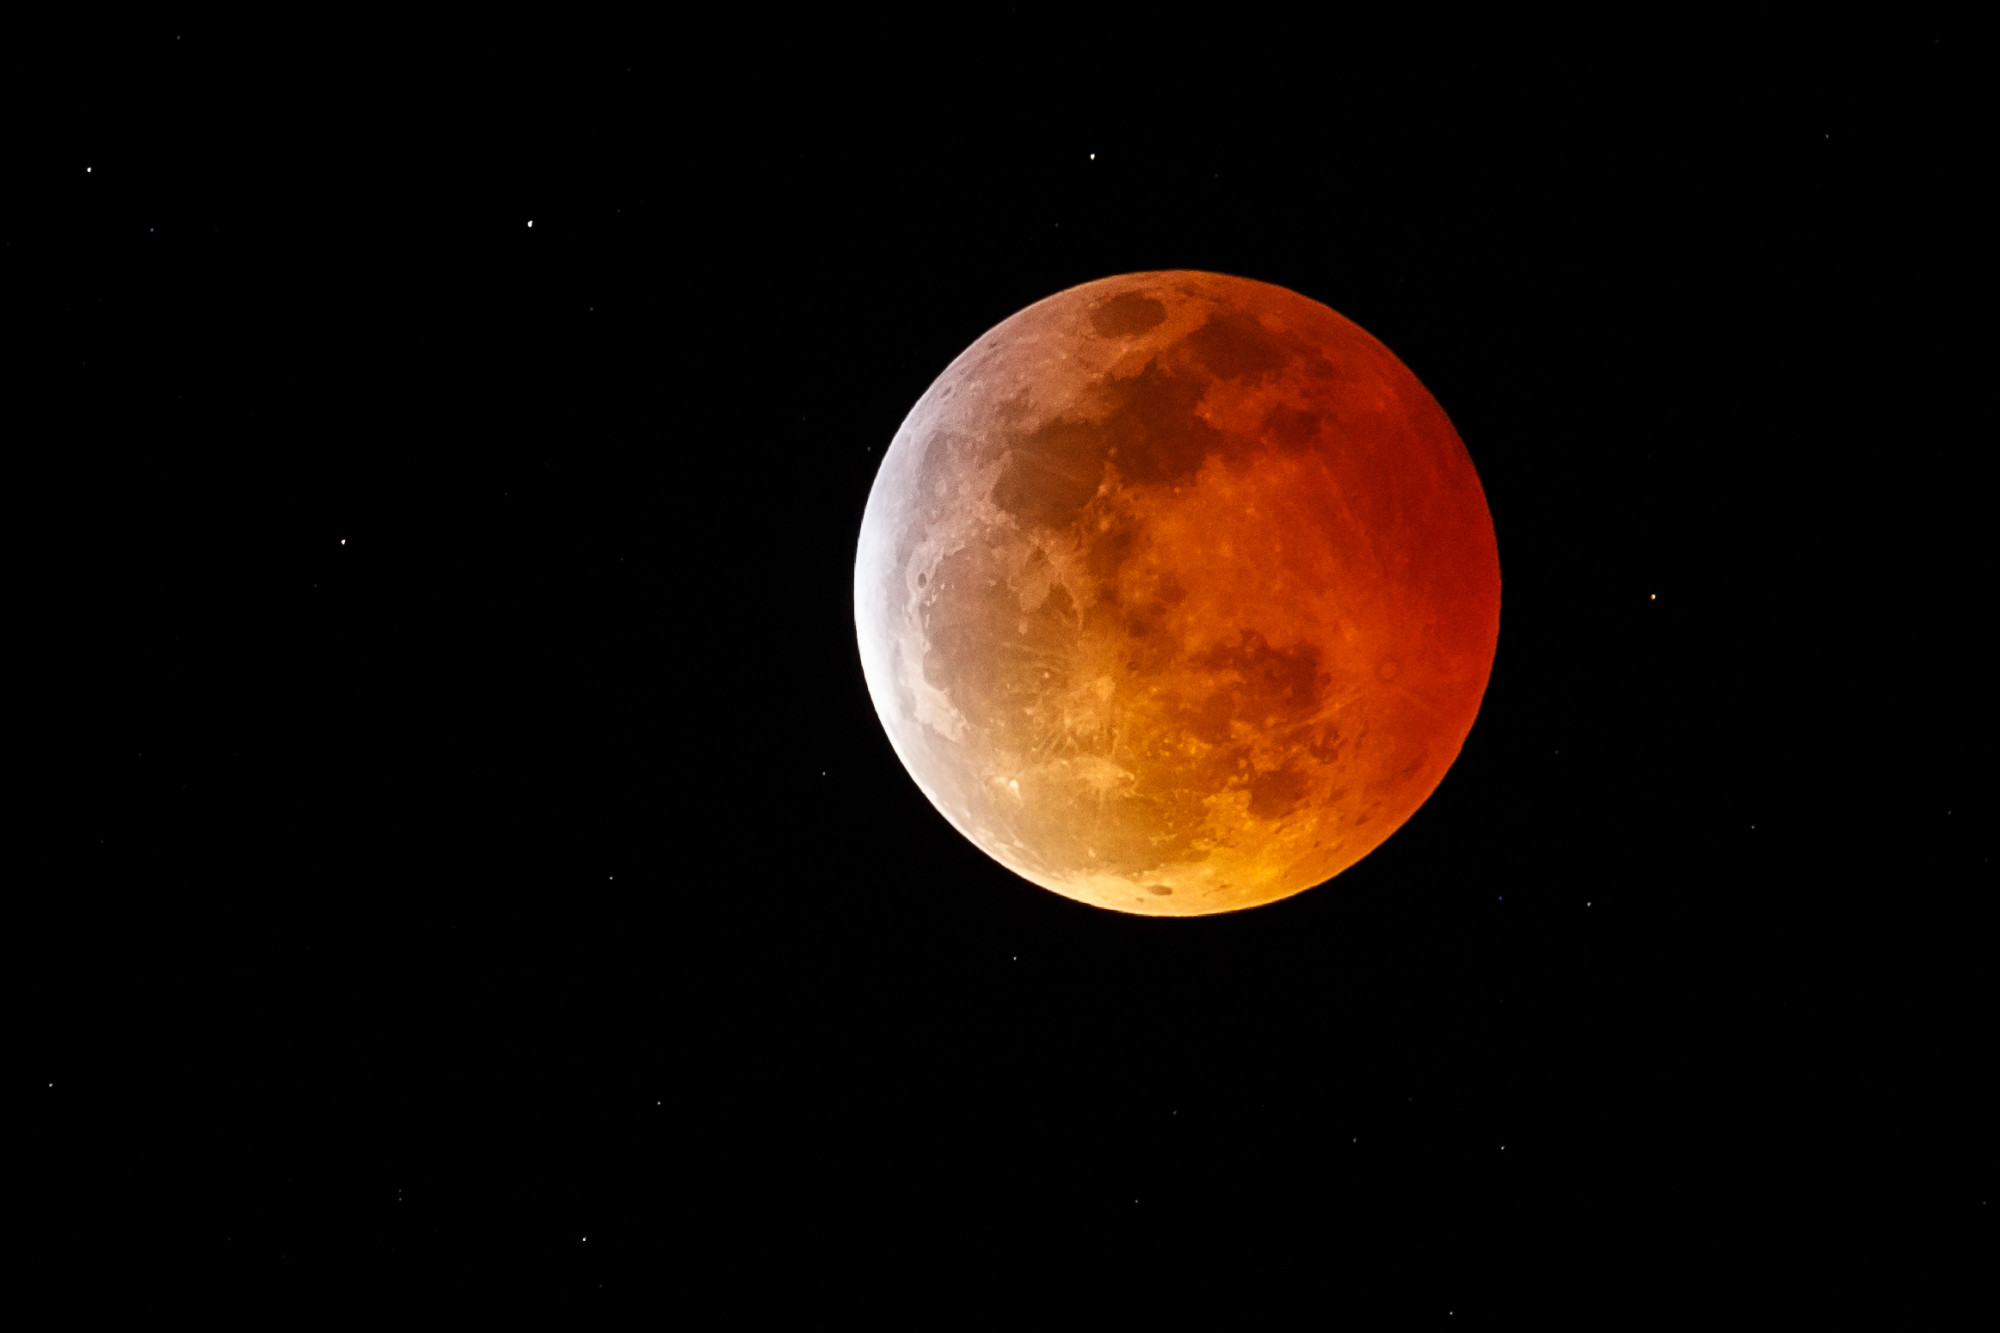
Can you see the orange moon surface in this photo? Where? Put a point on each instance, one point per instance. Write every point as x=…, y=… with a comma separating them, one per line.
x=1177, y=593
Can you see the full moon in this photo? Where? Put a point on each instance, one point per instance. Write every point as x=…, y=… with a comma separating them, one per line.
x=1177, y=593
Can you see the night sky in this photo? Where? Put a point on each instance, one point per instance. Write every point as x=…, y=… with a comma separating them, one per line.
x=455, y=855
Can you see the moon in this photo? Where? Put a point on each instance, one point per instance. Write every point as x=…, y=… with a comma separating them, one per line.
x=1177, y=593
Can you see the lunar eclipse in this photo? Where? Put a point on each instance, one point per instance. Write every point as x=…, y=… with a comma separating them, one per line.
x=1177, y=593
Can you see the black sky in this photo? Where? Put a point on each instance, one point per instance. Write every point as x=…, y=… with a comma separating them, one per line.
x=455, y=825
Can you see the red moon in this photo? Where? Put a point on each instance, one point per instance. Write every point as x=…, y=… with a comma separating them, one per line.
x=1177, y=593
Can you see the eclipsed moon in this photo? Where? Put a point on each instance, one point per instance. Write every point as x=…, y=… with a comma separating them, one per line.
x=1177, y=593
